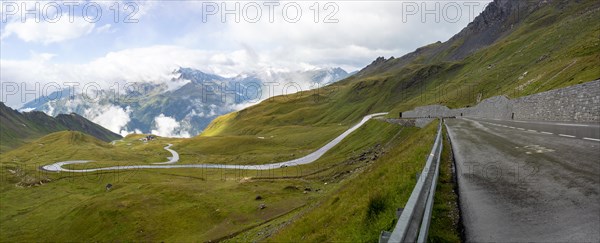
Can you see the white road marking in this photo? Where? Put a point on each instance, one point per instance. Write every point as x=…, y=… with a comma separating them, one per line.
x=522, y=129
x=557, y=124
x=532, y=130
x=592, y=139
x=547, y=133
x=512, y=127
x=565, y=135
x=572, y=125
x=538, y=149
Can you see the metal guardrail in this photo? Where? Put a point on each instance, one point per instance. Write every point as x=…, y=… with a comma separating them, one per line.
x=413, y=224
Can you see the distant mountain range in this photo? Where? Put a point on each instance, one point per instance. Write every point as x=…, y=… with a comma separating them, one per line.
x=187, y=104
x=17, y=128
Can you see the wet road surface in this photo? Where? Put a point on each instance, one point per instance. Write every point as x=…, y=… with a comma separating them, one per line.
x=527, y=181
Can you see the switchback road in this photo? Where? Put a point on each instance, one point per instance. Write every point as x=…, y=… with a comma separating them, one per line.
x=312, y=157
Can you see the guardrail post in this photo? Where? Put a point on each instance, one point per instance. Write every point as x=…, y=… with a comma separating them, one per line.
x=384, y=236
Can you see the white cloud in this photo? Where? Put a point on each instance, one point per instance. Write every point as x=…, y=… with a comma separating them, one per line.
x=364, y=31
x=46, y=32
x=50, y=109
x=237, y=107
x=26, y=110
x=111, y=117
x=153, y=64
x=168, y=127
x=104, y=29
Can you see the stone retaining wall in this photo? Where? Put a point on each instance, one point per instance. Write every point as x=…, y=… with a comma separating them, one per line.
x=579, y=103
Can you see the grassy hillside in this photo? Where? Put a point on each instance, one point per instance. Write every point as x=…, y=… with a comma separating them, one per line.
x=14, y=127
x=364, y=207
x=163, y=205
x=18, y=128
x=538, y=47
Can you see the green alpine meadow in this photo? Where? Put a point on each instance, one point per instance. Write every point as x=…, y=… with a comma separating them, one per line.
x=345, y=122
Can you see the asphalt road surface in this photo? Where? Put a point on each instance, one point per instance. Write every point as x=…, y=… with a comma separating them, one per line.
x=587, y=131
x=312, y=157
x=527, y=181
x=174, y=156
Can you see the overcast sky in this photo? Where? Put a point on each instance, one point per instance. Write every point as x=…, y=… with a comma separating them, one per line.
x=146, y=41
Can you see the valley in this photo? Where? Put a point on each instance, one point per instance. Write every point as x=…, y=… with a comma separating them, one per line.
x=204, y=185
x=337, y=162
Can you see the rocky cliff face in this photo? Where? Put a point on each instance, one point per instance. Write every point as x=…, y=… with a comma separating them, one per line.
x=497, y=20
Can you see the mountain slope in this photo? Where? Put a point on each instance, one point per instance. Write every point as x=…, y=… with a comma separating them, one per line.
x=17, y=128
x=514, y=48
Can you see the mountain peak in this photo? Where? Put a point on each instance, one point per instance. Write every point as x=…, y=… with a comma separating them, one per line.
x=379, y=60
x=197, y=76
x=338, y=70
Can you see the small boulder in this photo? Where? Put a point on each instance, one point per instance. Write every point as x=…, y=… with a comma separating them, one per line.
x=262, y=206
x=258, y=197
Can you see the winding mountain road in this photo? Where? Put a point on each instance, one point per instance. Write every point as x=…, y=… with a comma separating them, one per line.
x=312, y=157
x=173, y=159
